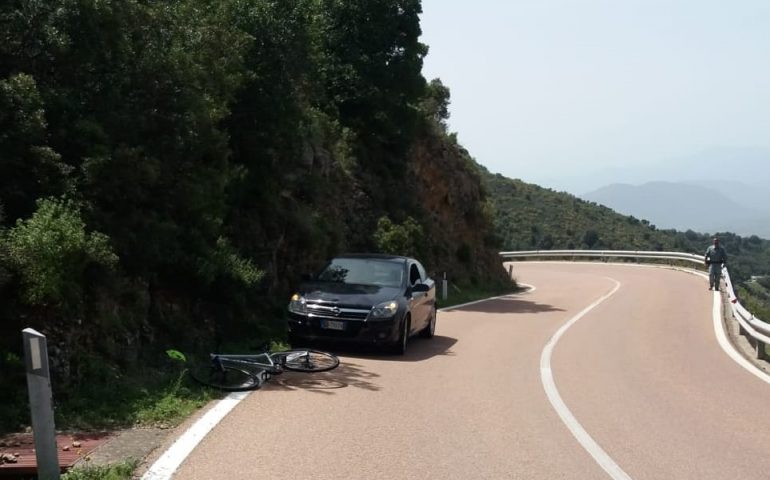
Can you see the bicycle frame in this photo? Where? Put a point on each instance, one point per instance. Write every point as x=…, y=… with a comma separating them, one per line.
x=247, y=372
x=250, y=361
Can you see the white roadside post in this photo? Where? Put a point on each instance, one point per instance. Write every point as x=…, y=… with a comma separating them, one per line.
x=444, y=288
x=41, y=404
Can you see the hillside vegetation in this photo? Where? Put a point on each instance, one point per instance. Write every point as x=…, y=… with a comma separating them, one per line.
x=169, y=169
x=529, y=217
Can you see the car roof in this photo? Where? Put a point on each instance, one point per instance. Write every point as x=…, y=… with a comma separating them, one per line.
x=374, y=256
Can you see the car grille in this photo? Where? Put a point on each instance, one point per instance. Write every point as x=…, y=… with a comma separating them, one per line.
x=336, y=312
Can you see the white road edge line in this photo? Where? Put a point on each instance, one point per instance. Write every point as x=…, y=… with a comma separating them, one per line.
x=530, y=289
x=719, y=330
x=724, y=342
x=546, y=376
x=165, y=467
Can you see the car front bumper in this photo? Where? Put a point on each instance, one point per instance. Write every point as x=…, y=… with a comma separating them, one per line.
x=352, y=331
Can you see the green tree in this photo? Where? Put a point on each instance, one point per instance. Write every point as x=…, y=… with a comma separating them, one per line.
x=591, y=238
x=371, y=65
x=29, y=168
x=435, y=103
x=399, y=239
x=52, y=251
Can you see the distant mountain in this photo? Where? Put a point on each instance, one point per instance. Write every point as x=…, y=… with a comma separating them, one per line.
x=753, y=196
x=719, y=167
x=689, y=206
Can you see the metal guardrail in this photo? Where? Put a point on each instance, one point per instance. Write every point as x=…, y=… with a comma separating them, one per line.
x=605, y=254
x=749, y=324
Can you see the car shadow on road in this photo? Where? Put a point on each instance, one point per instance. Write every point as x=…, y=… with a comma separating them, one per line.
x=508, y=305
x=351, y=374
x=419, y=349
x=347, y=374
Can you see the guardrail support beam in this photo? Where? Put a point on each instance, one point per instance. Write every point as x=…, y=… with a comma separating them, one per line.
x=741, y=330
x=759, y=348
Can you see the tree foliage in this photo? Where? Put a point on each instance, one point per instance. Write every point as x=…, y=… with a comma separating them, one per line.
x=51, y=251
x=399, y=239
x=29, y=168
x=168, y=169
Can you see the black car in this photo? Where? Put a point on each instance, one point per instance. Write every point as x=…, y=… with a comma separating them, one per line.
x=365, y=298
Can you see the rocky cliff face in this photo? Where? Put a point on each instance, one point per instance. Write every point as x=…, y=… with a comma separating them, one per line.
x=440, y=188
x=457, y=218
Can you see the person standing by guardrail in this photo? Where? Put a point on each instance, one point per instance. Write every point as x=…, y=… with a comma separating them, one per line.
x=715, y=257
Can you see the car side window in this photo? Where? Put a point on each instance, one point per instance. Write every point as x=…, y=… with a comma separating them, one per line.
x=414, y=275
x=423, y=275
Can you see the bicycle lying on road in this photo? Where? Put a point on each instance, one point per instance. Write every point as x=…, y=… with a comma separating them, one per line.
x=236, y=373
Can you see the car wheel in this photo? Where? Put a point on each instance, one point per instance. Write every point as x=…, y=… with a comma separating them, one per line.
x=403, y=339
x=430, y=328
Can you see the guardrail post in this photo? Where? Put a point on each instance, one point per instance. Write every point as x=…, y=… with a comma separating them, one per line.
x=510, y=271
x=741, y=330
x=41, y=404
x=759, y=348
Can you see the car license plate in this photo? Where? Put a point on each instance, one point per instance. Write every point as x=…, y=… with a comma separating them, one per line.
x=333, y=325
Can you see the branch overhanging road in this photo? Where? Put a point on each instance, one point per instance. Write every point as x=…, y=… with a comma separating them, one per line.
x=641, y=372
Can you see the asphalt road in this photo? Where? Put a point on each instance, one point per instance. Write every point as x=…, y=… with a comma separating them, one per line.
x=641, y=374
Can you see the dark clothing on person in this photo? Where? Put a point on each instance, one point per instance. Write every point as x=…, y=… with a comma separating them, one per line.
x=715, y=257
x=716, y=254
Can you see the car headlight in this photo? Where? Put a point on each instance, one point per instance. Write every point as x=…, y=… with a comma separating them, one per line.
x=384, y=310
x=298, y=304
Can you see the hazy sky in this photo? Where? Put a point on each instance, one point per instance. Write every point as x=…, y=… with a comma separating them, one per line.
x=552, y=91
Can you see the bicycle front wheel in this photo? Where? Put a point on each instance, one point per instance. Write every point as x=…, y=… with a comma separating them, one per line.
x=307, y=360
x=223, y=377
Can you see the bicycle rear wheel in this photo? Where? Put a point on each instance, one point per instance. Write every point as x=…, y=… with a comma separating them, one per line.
x=225, y=377
x=307, y=360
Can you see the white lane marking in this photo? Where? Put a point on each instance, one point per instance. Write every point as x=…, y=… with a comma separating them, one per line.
x=546, y=376
x=530, y=288
x=719, y=326
x=165, y=467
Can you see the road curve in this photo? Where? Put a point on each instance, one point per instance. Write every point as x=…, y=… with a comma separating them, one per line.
x=641, y=372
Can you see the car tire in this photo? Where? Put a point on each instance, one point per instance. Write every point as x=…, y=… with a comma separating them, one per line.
x=430, y=328
x=403, y=339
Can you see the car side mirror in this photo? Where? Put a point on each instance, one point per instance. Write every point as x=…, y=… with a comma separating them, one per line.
x=421, y=288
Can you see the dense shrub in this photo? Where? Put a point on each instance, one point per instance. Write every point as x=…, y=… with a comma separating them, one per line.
x=51, y=252
x=399, y=239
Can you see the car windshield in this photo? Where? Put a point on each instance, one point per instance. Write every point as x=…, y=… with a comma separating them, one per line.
x=363, y=271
